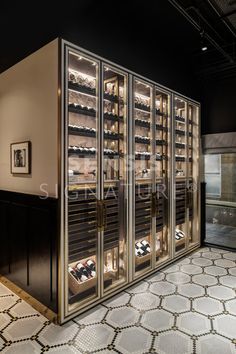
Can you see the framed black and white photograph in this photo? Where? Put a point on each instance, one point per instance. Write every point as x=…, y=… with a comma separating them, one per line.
x=21, y=157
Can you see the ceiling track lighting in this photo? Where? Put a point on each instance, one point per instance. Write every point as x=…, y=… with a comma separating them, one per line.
x=203, y=41
x=196, y=25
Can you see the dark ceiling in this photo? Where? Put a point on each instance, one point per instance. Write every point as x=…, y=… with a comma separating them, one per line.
x=127, y=32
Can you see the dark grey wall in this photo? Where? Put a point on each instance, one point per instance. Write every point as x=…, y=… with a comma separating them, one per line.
x=219, y=107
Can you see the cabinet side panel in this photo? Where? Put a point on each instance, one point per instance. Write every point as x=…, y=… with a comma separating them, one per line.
x=29, y=111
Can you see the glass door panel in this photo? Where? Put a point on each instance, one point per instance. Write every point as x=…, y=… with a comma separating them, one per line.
x=193, y=174
x=82, y=165
x=162, y=140
x=115, y=177
x=143, y=174
x=180, y=147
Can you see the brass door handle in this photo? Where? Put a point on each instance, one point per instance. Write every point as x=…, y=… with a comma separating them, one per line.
x=153, y=204
x=101, y=215
x=104, y=215
x=188, y=198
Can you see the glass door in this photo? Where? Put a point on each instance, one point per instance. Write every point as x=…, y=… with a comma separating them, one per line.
x=114, y=177
x=220, y=178
x=82, y=97
x=162, y=174
x=193, y=175
x=180, y=148
x=143, y=169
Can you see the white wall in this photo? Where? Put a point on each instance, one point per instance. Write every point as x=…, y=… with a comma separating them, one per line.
x=29, y=111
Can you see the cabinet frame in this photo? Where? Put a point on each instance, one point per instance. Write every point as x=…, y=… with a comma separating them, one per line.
x=64, y=314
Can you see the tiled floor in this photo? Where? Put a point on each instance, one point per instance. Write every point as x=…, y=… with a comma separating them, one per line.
x=187, y=308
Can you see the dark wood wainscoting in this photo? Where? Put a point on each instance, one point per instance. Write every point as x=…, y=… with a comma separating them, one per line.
x=29, y=243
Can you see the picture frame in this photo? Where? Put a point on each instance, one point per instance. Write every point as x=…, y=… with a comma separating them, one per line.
x=20, y=157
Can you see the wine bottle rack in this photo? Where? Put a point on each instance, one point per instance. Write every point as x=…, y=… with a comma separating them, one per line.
x=81, y=89
x=142, y=107
x=79, y=109
x=180, y=202
x=82, y=218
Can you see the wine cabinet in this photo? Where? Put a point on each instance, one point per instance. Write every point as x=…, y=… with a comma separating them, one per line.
x=130, y=176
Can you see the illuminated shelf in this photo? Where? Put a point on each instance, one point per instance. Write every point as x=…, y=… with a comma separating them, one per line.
x=80, y=109
x=81, y=88
x=80, y=132
x=142, y=107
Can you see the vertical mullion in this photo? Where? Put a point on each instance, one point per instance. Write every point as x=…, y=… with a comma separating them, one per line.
x=153, y=174
x=65, y=180
x=101, y=176
x=172, y=192
x=187, y=172
x=131, y=180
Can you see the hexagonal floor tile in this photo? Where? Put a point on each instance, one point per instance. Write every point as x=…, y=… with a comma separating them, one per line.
x=172, y=268
x=191, y=269
x=1, y=344
x=202, y=262
x=231, y=306
x=4, y=290
x=230, y=255
x=225, y=263
x=210, y=344
x=145, y=301
x=157, y=320
x=178, y=278
x=228, y=280
x=22, y=309
x=173, y=342
x=176, y=303
x=24, y=328
x=208, y=306
x=183, y=261
x=53, y=334
x=27, y=347
x=5, y=319
x=211, y=255
x=221, y=292
x=138, y=288
x=193, y=323
x=7, y=302
x=121, y=299
x=94, y=337
x=204, y=279
x=133, y=340
x=226, y=325
x=65, y=349
x=190, y=290
x=232, y=271
x=216, y=250
x=92, y=316
x=195, y=255
x=156, y=277
x=216, y=271
x=162, y=288
x=122, y=317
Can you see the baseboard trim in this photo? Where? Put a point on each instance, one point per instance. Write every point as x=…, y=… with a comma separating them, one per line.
x=38, y=306
x=212, y=245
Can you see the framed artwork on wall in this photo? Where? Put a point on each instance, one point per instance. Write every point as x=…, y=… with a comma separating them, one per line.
x=20, y=154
